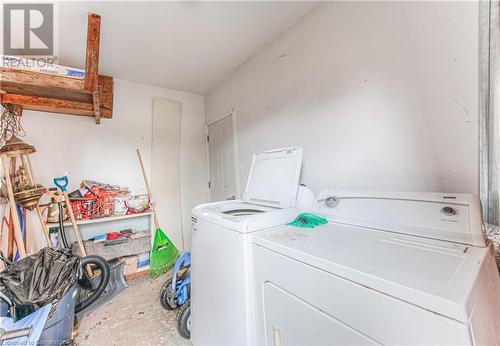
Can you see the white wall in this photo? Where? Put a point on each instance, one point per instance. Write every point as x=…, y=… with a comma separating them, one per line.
x=106, y=152
x=381, y=95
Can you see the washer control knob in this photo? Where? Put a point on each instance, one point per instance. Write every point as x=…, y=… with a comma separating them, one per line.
x=331, y=202
x=448, y=211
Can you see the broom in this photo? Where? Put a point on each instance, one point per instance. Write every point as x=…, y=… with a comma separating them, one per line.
x=163, y=252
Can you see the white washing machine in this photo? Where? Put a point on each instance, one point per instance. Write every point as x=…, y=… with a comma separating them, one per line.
x=222, y=289
x=388, y=268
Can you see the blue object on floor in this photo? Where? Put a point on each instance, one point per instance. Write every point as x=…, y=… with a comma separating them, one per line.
x=59, y=327
x=181, y=284
x=174, y=293
x=36, y=320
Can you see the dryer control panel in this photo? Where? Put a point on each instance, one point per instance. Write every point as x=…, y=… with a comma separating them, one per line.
x=445, y=216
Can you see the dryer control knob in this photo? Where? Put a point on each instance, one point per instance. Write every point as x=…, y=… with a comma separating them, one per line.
x=448, y=211
x=331, y=202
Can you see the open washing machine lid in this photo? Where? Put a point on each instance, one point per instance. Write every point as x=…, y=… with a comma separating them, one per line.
x=274, y=178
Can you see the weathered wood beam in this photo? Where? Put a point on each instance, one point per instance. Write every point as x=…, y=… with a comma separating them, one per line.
x=97, y=106
x=103, y=103
x=16, y=76
x=92, y=57
x=52, y=105
x=106, y=96
x=49, y=105
x=43, y=91
x=92, y=96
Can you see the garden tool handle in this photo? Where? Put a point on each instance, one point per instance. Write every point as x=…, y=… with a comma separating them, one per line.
x=79, y=239
x=55, y=193
x=155, y=217
x=14, y=334
x=61, y=182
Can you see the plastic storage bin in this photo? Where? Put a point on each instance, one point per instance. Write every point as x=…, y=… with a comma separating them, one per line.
x=59, y=326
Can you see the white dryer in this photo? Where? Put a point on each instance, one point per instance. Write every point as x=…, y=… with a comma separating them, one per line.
x=388, y=268
x=222, y=288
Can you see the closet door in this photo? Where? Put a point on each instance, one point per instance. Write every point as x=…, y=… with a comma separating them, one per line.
x=166, y=167
x=221, y=160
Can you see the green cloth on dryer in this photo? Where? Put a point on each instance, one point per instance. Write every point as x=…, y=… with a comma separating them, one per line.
x=308, y=220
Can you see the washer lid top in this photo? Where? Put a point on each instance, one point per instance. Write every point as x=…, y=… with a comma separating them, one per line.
x=243, y=217
x=274, y=178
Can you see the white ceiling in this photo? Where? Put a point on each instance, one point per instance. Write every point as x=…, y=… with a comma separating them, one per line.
x=189, y=46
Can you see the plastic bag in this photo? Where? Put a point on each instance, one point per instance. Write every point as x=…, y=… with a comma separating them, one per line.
x=42, y=278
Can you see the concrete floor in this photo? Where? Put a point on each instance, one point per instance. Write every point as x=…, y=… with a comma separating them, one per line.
x=135, y=317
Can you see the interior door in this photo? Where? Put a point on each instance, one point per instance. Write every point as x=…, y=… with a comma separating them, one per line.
x=166, y=167
x=222, y=163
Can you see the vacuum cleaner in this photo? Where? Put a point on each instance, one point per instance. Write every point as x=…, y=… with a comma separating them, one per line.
x=59, y=277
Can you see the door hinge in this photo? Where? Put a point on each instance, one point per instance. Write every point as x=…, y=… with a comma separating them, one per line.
x=208, y=138
x=209, y=185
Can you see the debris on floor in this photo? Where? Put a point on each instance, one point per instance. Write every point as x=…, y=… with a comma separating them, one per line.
x=135, y=317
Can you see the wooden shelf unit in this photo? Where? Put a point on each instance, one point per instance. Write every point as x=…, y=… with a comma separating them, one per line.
x=101, y=219
x=38, y=91
x=93, y=227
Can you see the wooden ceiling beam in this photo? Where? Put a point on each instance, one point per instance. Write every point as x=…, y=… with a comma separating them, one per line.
x=36, y=78
x=42, y=91
x=92, y=55
x=91, y=96
x=97, y=106
x=92, y=62
x=43, y=104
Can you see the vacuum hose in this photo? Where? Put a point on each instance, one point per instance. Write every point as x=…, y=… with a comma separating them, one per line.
x=103, y=266
x=85, y=283
x=61, y=225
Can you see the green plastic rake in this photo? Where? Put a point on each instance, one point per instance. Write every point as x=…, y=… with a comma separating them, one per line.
x=163, y=252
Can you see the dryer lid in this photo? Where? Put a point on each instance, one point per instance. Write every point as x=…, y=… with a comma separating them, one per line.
x=437, y=275
x=274, y=178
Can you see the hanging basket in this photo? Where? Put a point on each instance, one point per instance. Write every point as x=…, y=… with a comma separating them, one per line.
x=16, y=147
x=29, y=198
